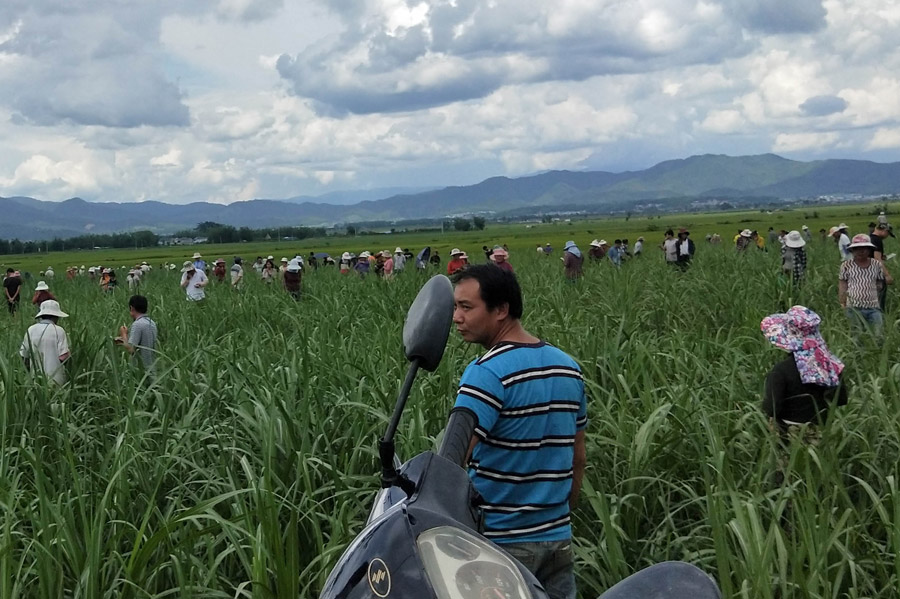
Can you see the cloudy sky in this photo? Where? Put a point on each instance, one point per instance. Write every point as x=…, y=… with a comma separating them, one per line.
x=129, y=100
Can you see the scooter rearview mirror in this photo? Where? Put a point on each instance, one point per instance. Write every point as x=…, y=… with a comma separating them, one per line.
x=427, y=326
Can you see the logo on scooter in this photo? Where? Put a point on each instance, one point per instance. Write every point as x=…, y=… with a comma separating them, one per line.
x=379, y=578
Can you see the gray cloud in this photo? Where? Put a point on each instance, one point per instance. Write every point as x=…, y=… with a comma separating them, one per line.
x=89, y=66
x=470, y=49
x=823, y=105
x=778, y=16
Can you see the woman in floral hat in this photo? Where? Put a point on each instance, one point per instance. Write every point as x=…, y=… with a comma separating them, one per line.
x=801, y=388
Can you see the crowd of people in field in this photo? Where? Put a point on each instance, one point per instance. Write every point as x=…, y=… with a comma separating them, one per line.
x=863, y=278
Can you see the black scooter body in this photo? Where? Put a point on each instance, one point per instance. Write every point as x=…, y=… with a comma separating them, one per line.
x=383, y=559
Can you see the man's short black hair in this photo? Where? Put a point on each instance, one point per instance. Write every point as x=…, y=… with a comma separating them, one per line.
x=670, y=232
x=497, y=287
x=139, y=303
x=9, y=270
x=617, y=241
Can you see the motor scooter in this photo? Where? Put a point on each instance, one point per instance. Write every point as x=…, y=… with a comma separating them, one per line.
x=422, y=538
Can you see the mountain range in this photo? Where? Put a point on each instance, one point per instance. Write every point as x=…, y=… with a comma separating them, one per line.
x=707, y=176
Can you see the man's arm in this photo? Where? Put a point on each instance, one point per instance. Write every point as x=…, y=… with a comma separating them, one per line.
x=888, y=279
x=842, y=293
x=579, y=461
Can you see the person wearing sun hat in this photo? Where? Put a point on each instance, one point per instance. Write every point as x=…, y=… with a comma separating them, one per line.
x=744, y=240
x=500, y=257
x=46, y=346
x=193, y=280
x=793, y=257
x=291, y=278
x=597, y=251
x=41, y=294
x=839, y=234
x=199, y=262
x=801, y=388
x=572, y=261
x=457, y=262
x=399, y=259
x=362, y=266
x=859, y=282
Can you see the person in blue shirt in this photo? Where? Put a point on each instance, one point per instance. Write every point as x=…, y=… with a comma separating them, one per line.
x=615, y=253
x=527, y=455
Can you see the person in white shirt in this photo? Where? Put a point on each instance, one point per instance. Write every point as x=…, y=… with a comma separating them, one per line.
x=193, y=280
x=237, y=273
x=399, y=260
x=670, y=247
x=839, y=233
x=46, y=345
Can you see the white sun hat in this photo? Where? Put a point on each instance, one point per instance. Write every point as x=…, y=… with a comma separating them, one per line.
x=187, y=266
x=596, y=243
x=794, y=240
x=455, y=252
x=196, y=256
x=365, y=254
x=399, y=250
x=41, y=286
x=51, y=308
x=746, y=233
x=293, y=266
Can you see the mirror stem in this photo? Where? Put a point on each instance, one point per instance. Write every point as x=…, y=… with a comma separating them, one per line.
x=386, y=449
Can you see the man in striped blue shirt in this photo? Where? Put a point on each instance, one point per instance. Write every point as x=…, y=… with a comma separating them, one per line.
x=527, y=456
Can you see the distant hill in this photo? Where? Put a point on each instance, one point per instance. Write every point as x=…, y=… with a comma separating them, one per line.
x=762, y=176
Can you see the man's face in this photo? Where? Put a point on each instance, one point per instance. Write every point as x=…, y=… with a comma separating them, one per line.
x=474, y=322
x=133, y=312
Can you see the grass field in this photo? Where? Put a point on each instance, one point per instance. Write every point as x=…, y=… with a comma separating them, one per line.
x=247, y=468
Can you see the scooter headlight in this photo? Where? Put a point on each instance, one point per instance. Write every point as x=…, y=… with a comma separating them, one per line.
x=460, y=565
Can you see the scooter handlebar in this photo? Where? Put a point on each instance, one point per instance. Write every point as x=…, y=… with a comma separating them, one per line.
x=457, y=436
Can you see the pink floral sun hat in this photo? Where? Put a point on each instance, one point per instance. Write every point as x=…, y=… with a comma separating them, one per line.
x=797, y=331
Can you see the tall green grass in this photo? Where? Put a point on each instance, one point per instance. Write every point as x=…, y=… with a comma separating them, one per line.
x=249, y=464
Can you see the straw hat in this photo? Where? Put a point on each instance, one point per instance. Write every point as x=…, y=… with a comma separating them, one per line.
x=746, y=233
x=41, y=286
x=794, y=240
x=284, y=259
x=385, y=254
x=196, y=256
x=595, y=243
x=398, y=250
x=455, y=252
x=365, y=254
x=51, y=308
x=842, y=227
x=188, y=266
x=861, y=241
x=500, y=252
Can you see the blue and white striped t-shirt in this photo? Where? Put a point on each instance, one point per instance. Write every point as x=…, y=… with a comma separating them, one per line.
x=529, y=400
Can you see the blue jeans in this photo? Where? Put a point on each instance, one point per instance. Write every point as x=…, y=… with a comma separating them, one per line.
x=552, y=563
x=866, y=320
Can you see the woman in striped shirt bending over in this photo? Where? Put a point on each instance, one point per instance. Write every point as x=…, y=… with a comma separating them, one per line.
x=858, y=285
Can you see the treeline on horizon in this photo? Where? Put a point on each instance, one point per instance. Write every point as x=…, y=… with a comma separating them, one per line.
x=213, y=233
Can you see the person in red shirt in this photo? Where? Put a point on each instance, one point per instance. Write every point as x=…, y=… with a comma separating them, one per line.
x=458, y=261
x=219, y=270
